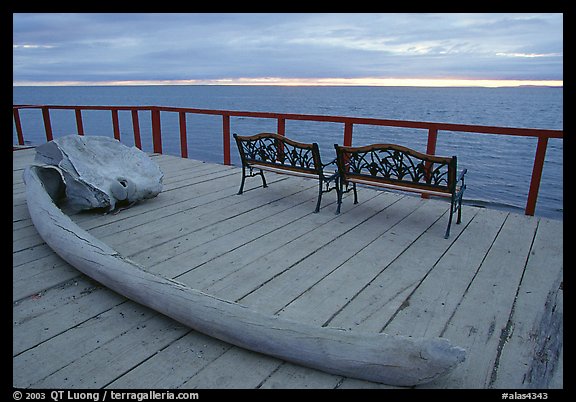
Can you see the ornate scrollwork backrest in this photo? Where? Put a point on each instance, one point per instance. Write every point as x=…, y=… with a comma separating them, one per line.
x=298, y=157
x=261, y=150
x=274, y=150
x=398, y=164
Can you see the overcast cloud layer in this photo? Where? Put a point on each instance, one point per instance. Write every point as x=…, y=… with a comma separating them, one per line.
x=208, y=47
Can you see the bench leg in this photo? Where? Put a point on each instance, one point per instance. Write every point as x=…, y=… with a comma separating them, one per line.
x=453, y=204
x=319, y=196
x=459, y=220
x=447, y=235
x=242, y=182
x=264, y=184
x=355, y=193
x=339, y=190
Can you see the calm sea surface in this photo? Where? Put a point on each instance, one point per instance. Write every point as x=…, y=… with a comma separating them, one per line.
x=499, y=167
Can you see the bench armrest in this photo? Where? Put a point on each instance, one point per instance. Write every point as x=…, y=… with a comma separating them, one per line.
x=332, y=162
x=461, y=175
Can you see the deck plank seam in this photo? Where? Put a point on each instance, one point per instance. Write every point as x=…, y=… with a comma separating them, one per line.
x=239, y=214
x=70, y=328
x=387, y=265
x=448, y=321
x=241, y=228
x=211, y=225
x=144, y=361
x=261, y=237
x=80, y=357
x=420, y=203
x=301, y=260
x=421, y=281
x=506, y=332
x=151, y=210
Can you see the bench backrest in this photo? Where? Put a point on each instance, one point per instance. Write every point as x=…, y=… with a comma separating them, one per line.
x=270, y=149
x=395, y=164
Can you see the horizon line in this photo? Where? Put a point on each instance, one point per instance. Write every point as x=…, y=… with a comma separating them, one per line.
x=278, y=81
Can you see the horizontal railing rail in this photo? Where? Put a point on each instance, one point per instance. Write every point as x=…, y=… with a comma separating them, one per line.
x=543, y=135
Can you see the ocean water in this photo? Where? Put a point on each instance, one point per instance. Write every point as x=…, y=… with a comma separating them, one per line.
x=499, y=167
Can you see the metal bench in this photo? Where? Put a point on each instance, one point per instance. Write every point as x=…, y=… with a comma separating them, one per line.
x=400, y=168
x=276, y=153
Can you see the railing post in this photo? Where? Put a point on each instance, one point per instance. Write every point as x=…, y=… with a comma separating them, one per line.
x=430, y=150
x=281, y=126
x=281, y=131
x=18, y=126
x=432, y=139
x=536, y=175
x=136, y=129
x=347, y=134
x=156, y=131
x=47, y=124
x=226, y=138
x=79, y=124
x=115, y=124
x=183, y=136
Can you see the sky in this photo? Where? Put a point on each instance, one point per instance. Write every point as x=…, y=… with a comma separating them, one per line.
x=448, y=49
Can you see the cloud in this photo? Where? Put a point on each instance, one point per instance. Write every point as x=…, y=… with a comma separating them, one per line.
x=529, y=55
x=114, y=47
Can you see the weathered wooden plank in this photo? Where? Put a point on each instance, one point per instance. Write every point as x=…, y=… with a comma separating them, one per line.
x=557, y=380
x=289, y=375
x=19, y=213
x=195, y=187
x=173, y=365
x=532, y=341
x=321, y=249
x=219, y=232
x=105, y=363
x=30, y=237
x=482, y=315
x=185, y=223
x=354, y=234
x=377, y=303
x=22, y=230
x=21, y=224
x=22, y=158
x=181, y=172
x=329, y=295
x=56, y=310
x=349, y=243
x=165, y=204
x=30, y=254
x=189, y=181
x=223, y=372
x=170, y=164
x=31, y=245
x=353, y=383
x=17, y=182
x=426, y=311
x=29, y=274
x=301, y=230
x=48, y=357
x=40, y=274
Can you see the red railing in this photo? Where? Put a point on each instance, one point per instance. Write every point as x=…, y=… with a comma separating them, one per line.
x=541, y=134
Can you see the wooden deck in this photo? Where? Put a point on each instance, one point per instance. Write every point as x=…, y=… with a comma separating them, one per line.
x=494, y=287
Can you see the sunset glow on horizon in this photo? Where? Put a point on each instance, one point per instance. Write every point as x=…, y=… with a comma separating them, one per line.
x=278, y=81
